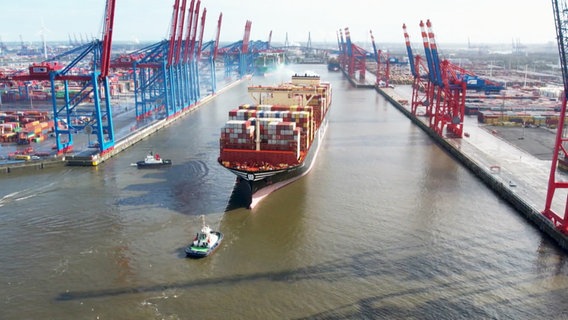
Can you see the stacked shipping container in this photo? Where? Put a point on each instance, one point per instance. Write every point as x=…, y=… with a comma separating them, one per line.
x=24, y=127
x=277, y=132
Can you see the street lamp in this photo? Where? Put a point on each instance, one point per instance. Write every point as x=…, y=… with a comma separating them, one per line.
x=28, y=88
x=31, y=100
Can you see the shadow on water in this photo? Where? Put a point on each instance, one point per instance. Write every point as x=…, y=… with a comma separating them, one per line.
x=415, y=268
x=240, y=196
x=186, y=188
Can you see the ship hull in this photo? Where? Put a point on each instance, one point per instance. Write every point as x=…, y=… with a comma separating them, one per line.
x=251, y=187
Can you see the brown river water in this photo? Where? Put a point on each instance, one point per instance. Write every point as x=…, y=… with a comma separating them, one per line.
x=387, y=225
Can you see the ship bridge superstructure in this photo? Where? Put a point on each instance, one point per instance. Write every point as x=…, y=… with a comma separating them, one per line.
x=300, y=91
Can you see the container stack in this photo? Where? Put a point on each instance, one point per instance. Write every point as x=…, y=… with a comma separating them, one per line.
x=35, y=131
x=24, y=127
x=285, y=133
x=546, y=118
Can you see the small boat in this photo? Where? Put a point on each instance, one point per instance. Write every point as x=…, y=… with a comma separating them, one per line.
x=204, y=243
x=153, y=161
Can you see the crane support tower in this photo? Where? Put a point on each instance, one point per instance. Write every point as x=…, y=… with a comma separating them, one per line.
x=560, y=156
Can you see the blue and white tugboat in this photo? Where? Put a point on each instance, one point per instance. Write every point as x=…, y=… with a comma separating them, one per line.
x=204, y=243
x=153, y=161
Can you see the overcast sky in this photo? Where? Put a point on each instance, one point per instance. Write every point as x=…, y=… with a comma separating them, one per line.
x=454, y=21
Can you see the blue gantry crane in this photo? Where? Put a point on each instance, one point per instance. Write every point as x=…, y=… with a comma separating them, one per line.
x=83, y=79
x=166, y=74
x=236, y=57
x=209, y=53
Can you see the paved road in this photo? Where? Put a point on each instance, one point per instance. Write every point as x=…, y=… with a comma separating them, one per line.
x=539, y=142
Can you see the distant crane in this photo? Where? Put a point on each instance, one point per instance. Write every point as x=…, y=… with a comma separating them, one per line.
x=383, y=72
x=352, y=57
x=236, y=56
x=422, y=85
x=210, y=51
x=446, y=88
x=560, y=155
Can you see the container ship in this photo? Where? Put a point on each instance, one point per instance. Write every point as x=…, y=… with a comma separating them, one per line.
x=275, y=141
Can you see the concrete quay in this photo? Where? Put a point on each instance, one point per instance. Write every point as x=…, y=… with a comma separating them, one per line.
x=516, y=176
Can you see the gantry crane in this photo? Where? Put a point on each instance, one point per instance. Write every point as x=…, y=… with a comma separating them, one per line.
x=560, y=11
x=210, y=51
x=166, y=73
x=352, y=58
x=451, y=87
x=235, y=54
x=422, y=85
x=88, y=69
x=241, y=55
x=383, y=64
x=446, y=88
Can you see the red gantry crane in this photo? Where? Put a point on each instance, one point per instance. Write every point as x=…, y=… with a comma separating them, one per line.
x=354, y=58
x=236, y=56
x=445, y=92
x=560, y=10
x=422, y=85
x=383, y=64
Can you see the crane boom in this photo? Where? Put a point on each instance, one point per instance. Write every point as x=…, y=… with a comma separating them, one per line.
x=201, y=30
x=409, y=51
x=179, y=34
x=216, y=47
x=187, y=41
x=175, y=15
x=246, y=37
x=194, y=21
x=107, y=37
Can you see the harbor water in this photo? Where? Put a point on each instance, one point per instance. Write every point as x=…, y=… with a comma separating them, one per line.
x=387, y=225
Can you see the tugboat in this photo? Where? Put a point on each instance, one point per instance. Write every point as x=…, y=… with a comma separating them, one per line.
x=153, y=161
x=204, y=243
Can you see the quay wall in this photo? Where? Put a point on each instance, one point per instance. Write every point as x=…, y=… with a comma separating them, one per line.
x=502, y=190
x=28, y=166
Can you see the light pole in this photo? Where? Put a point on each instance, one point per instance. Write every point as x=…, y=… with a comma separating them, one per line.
x=29, y=86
